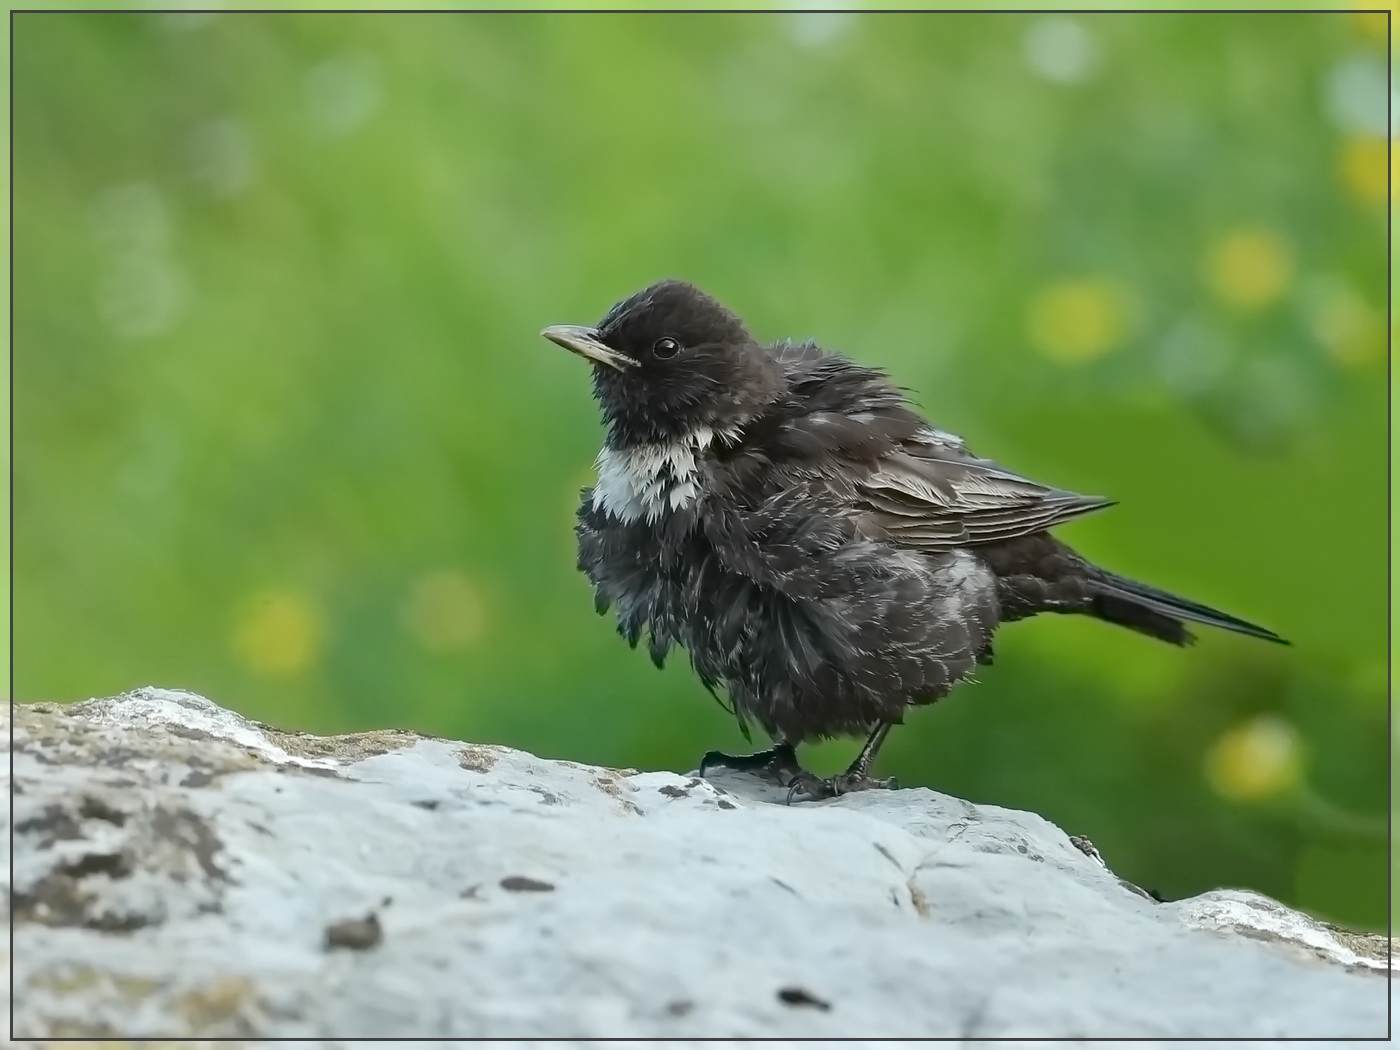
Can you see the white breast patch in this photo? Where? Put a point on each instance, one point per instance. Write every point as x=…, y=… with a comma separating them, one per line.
x=644, y=482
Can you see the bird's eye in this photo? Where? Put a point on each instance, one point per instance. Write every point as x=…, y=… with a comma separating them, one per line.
x=665, y=347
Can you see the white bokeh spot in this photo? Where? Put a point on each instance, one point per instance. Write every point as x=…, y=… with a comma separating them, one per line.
x=1060, y=49
x=141, y=291
x=221, y=157
x=341, y=94
x=1355, y=95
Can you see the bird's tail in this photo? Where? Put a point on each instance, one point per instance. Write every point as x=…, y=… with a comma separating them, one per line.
x=1159, y=614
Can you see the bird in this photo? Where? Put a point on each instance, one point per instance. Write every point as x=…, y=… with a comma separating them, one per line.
x=824, y=555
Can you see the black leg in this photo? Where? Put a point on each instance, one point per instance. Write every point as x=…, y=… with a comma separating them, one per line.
x=856, y=778
x=861, y=766
x=779, y=763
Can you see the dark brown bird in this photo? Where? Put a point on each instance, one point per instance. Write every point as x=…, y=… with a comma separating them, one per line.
x=822, y=552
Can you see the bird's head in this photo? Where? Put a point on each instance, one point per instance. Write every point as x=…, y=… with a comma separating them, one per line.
x=670, y=360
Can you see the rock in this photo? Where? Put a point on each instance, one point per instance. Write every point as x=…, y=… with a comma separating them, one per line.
x=180, y=871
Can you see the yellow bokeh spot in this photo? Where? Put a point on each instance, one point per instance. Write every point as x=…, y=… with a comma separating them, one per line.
x=443, y=611
x=1255, y=760
x=1372, y=23
x=1249, y=268
x=1363, y=169
x=1348, y=328
x=278, y=635
x=1076, y=321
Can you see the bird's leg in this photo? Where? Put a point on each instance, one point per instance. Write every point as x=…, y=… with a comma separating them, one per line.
x=778, y=763
x=856, y=778
x=859, y=770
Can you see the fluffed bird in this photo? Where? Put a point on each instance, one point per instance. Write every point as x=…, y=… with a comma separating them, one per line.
x=825, y=555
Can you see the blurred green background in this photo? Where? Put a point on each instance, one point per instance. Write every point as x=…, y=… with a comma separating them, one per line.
x=285, y=433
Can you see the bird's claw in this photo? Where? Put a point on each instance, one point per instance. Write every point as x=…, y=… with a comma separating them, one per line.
x=779, y=765
x=816, y=788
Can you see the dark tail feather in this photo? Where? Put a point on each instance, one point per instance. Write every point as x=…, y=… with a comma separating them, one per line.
x=1159, y=614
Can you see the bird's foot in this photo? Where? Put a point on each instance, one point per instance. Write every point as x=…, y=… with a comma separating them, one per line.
x=808, y=787
x=778, y=764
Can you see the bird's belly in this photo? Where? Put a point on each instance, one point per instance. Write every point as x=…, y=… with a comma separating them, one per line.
x=801, y=667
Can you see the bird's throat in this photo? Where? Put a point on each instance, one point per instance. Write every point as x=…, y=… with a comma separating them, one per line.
x=645, y=482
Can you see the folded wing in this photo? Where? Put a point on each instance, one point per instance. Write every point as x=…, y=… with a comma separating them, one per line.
x=929, y=492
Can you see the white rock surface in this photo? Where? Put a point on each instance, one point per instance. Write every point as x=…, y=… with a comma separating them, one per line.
x=177, y=868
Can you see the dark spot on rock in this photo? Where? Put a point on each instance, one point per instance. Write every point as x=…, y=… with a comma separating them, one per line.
x=356, y=934
x=111, y=922
x=187, y=733
x=429, y=804
x=470, y=893
x=1021, y=847
x=51, y=902
x=114, y=865
x=794, y=996
x=197, y=778
x=671, y=791
x=1148, y=895
x=54, y=822
x=884, y=852
x=609, y=786
x=119, y=757
x=188, y=830
x=58, y=899
x=525, y=884
x=679, y=1007
x=694, y=782
x=547, y=798
x=386, y=902
x=260, y=829
x=784, y=885
x=726, y=804
x=1259, y=935
x=94, y=808
x=476, y=758
x=1084, y=846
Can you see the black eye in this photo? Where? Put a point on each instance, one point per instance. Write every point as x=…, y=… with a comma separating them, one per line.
x=665, y=347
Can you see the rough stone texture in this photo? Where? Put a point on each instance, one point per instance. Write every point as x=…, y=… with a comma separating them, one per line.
x=181, y=871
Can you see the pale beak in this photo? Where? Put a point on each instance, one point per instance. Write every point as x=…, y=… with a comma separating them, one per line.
x=585, y=342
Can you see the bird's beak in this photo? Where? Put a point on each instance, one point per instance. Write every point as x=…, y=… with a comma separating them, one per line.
x=585, y=342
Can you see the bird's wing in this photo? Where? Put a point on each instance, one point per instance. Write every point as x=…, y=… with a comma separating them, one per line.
x=799, y=498
x=929, y=492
